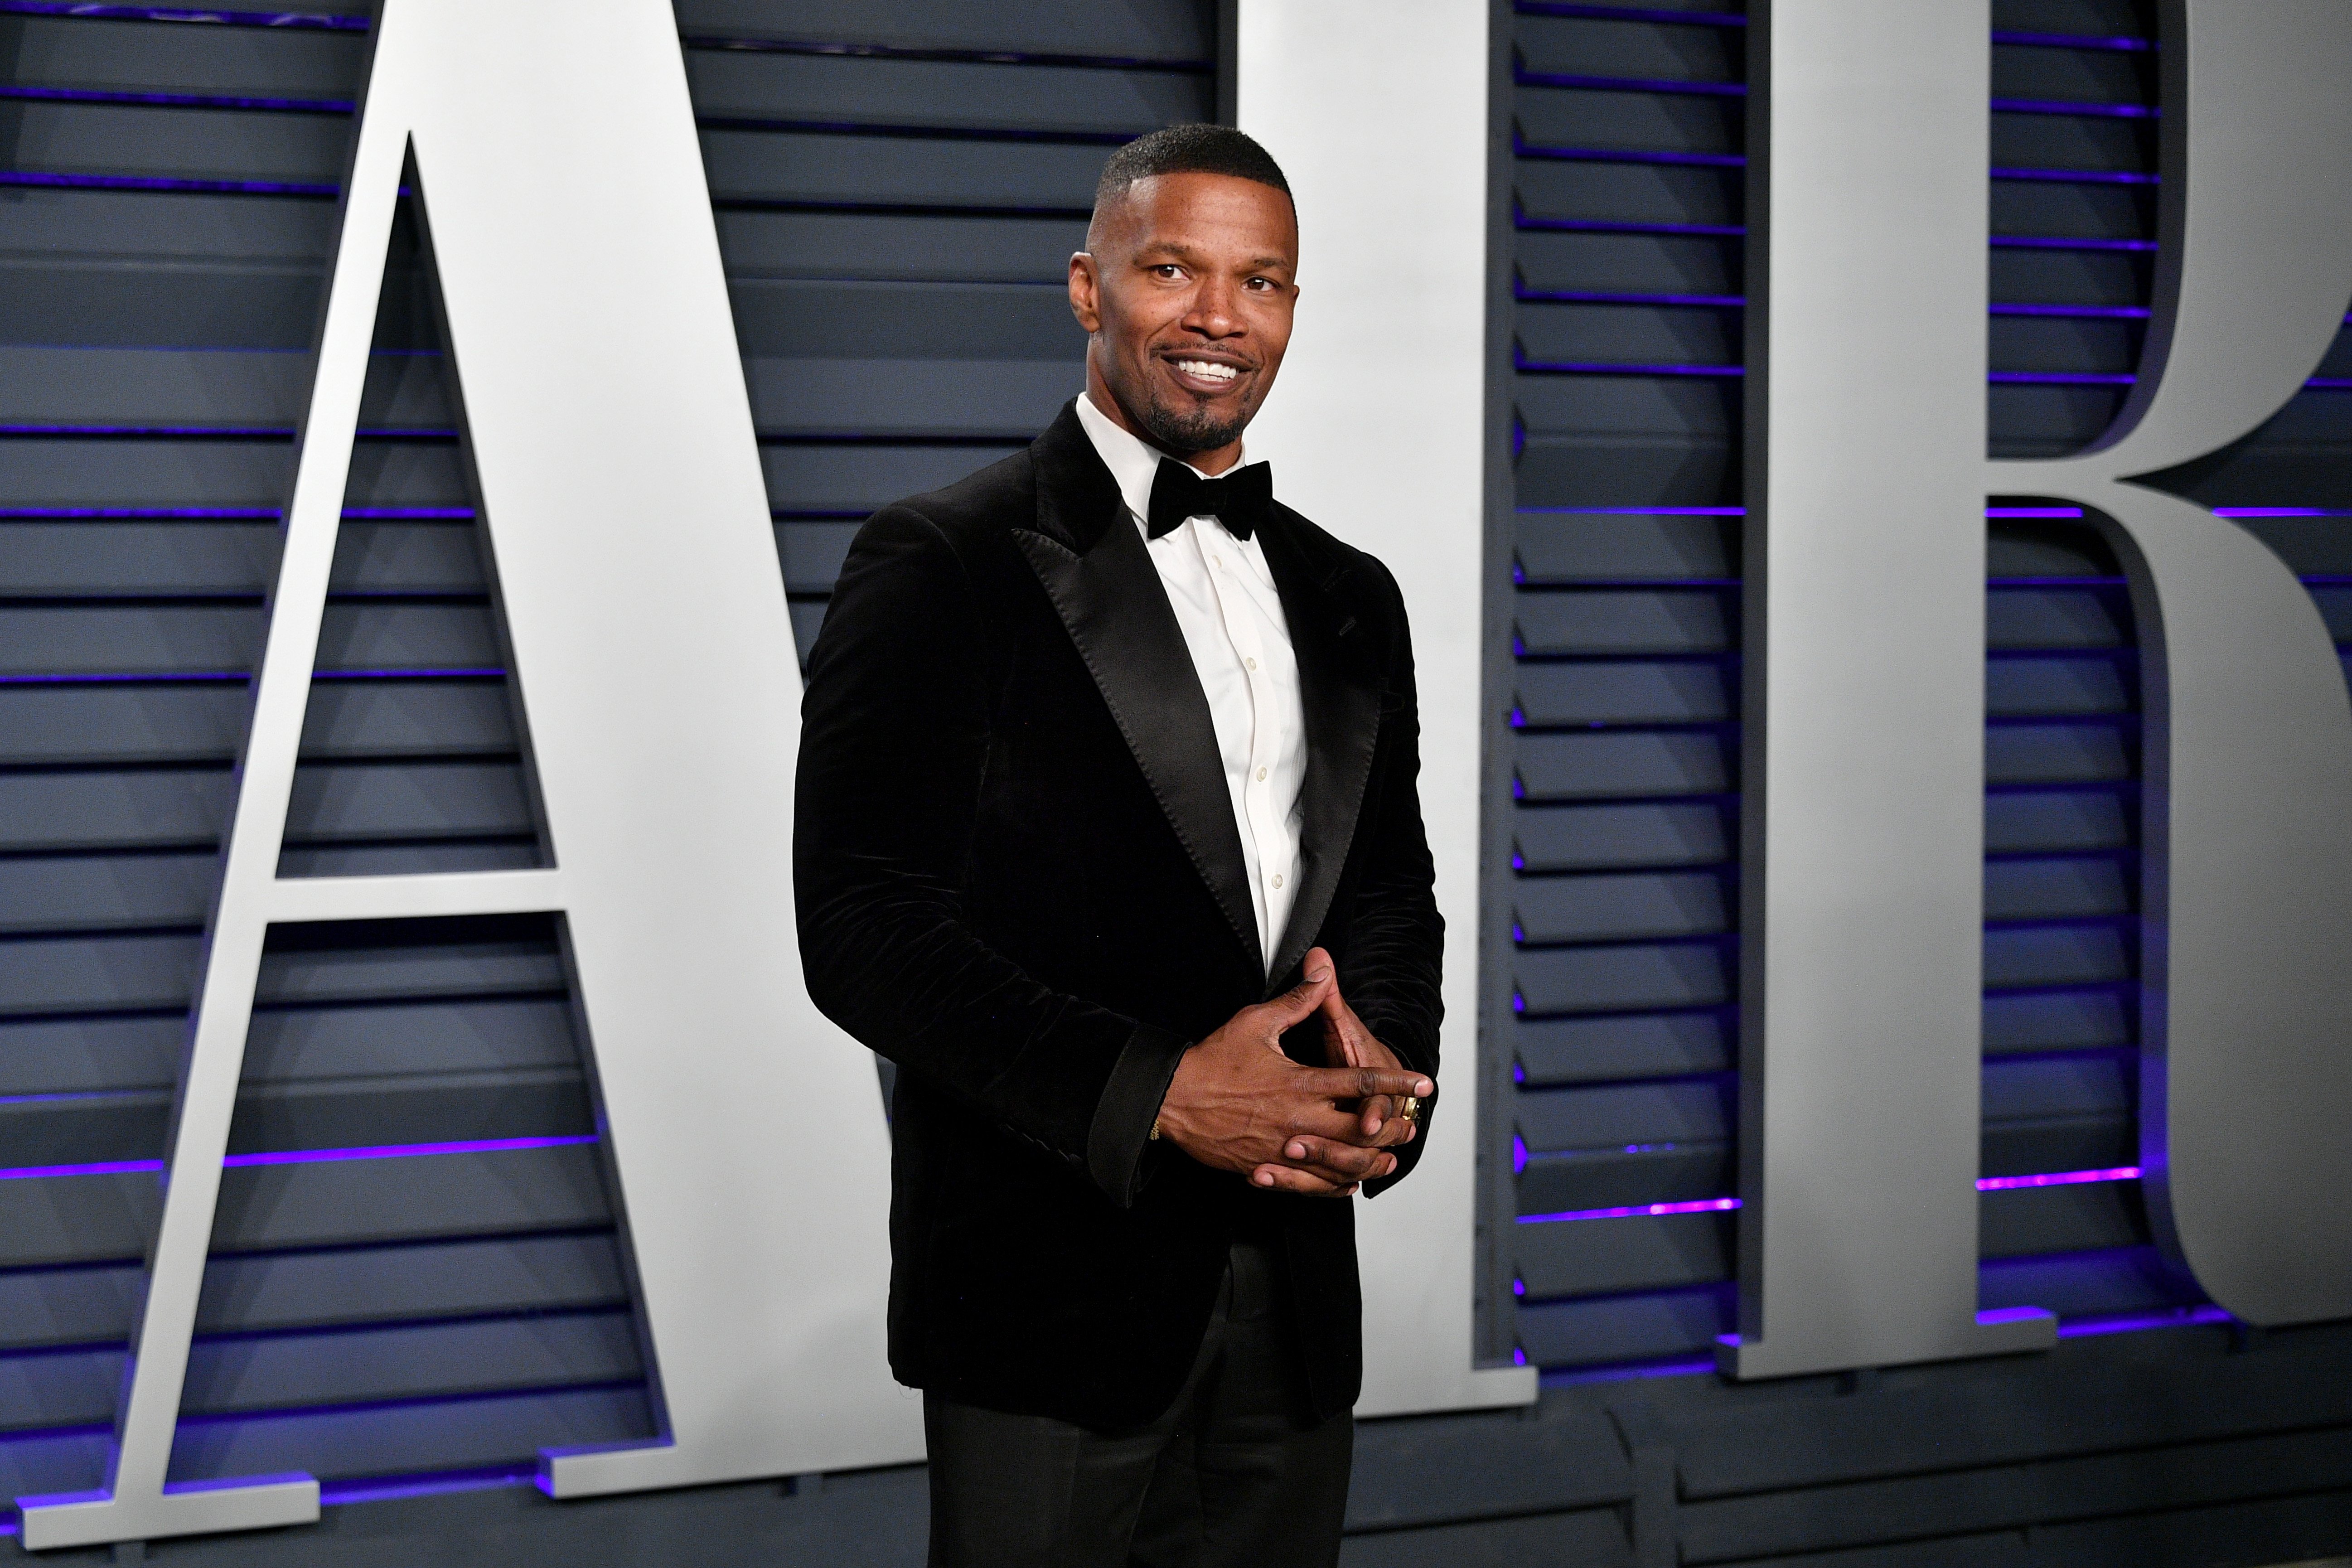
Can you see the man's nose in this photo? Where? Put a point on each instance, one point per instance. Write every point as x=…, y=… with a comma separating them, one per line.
x=1214, y=313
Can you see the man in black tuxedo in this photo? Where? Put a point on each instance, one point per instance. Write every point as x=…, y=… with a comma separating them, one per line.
x=1108, y=835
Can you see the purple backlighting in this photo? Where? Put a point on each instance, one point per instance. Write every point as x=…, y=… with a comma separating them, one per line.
x=2079, y=176
x=229, y=1483
x=2008, y=1315
x=1639, y=1211
x=101, y=1168
x=408, y=513
x=2022, y=512
x=148, y=183
x=406, y=1151
x=2277, y=512
x=2054, y=106
x=1605, y=367
x=184, y=13
x=2330, y=382
x=215, y=432
x=1636, y=510
x=2134, y=1322
x=139, y=513
x=2069, y=40
x=1627, y=1373
x=2057, y=1179
x=2110, y=312
x=2057, y=242
x=133, y=678
x=178, y=99
x=1518, y=1145
x=2059, y=378
x=386, y=1489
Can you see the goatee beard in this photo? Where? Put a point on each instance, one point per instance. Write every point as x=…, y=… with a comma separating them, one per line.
x=1186, y=431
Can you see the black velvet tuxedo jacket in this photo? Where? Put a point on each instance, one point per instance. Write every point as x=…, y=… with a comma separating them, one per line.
x=1020, y=879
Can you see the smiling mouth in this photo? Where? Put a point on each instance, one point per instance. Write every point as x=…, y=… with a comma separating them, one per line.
x=1209, y=374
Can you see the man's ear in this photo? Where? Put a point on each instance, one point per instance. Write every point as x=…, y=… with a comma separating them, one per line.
x=1086, y=296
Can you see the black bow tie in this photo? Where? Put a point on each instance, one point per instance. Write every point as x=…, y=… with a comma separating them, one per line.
x=1239, y=500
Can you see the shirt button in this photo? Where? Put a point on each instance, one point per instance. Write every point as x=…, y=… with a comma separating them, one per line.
x=1261, y=776
x=1277, y=878
x=1250, y=662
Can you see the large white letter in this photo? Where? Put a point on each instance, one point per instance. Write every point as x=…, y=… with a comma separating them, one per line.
x=590, y=329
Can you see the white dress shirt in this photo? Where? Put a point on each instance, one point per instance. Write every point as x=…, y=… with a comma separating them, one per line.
x=1232, y=618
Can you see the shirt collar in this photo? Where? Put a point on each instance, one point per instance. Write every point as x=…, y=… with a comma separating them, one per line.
x=1132, y=461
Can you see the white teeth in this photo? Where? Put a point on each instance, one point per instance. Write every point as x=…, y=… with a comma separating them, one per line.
x=1207, y=370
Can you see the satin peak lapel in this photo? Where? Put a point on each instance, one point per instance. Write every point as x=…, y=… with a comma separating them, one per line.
x=1111, y=600
x=1340, y=684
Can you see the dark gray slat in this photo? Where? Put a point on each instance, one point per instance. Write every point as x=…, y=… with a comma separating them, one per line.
x=2057, y=209
x=2063, y=345
x=81, y=1055
x=828, y=319
x=2307, y=545
x=344, y=1202
x=107, y=892
x=510, y=853
x=1680, y=693
x=97, y=725
x=1585, y=1050
x=96, y=974
x=840, y=90
x=1609, y=1117
x=862, y=480
x=190, y=387
x=2055, y=753
x=2059, y=1144
x=2281, y=1529
x=2005, y=1498
x=420, y=1038
x=1586, y=406
x=413, y=1108
x=2031, y=688
x=76, y=471
x=408, y=636
x=2055, y=955
x=2081, y=18
x=2337, y=362
x=1619, y=907
x=86, y=1129
x=448, y=1280
x=2058, y=820
x=299, y=977
x=2049, y=889
x=182, y=143
x=154, y=227
x=2057, y=618
x=1581, y=1181
x=813, y=554
x=1622, y=979
x=60, y=1389
x=2071, y=75
x=50, y=1220
x=1012, y=399
x=1550, y=333
x=404, y=800
x=2073, y=143
x=1161, y=30
x=1569, y=549
x=1582, y=118
x=2054, y=1022
x=1602, y=1256
x=1627, y=471
x=2130, y=1279
x=1626, y=263
x=1467, y=1466
x=2270, y=471
x=2032, y=547
x=128, y=810
x=2016, y=1090
x=900, y=171
x=911, y=249
x=71, y=1461
x=353, y=1366
x=406, y=474
x=2334, y=605
x=1595, y=1536
x=806, y=620
x=2081, y=1217
x=1567, y=767
x=164, y=56
x=407, y=718
x=411, y=1438
x=109, y=303
x=2047, y=421
x=1648, y=48
x=2075, y=1401
x=1623, y=622
x=1627, y=193
x=140, y=640
x=2069, y=277
x=87, y=559
x=69, y=1306
x=1596, y=837
x=1624, y=1328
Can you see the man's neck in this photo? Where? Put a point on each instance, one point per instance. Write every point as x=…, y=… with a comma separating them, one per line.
x=1212, y=463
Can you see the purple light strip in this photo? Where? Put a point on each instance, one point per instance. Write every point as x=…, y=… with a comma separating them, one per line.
x=2134, y=1322
x=1626, y=1374
x=405, y=1151
x=2024, y=511
x=184, y=14
x=2058, y=106
x=125, y=677
x=1604, y=367
x=1636, y=510
x=1630, y=84
x=178, y=99
x=1639, y=1211
x=2078, y=176
x=222, y=431
x=2059, y=378
x=454, y=673
x=102, y=1168
x=409, y=513
x=2330, y=383
x=2118, y=312
x=2057, y=1179
x=2276, y=511
x=388, y=1489
x=2071, y=41
x=2058, y=242
x=144, y=182
x=139, y=513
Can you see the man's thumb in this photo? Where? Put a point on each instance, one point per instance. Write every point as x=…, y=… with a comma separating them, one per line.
x=1300, y=1000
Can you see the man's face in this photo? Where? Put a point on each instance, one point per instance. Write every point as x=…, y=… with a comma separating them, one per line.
x=1186, y=290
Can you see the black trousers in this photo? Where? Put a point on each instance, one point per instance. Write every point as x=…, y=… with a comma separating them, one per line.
x=1235, y=1474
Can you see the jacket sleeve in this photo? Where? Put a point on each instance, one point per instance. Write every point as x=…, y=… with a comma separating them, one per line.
x=894, y=740
x=1395, y=943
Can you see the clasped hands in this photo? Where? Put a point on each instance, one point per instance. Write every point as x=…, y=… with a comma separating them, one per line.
x=1238, y=1104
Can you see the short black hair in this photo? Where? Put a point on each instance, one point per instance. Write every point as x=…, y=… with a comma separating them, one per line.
x=1188, y=149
